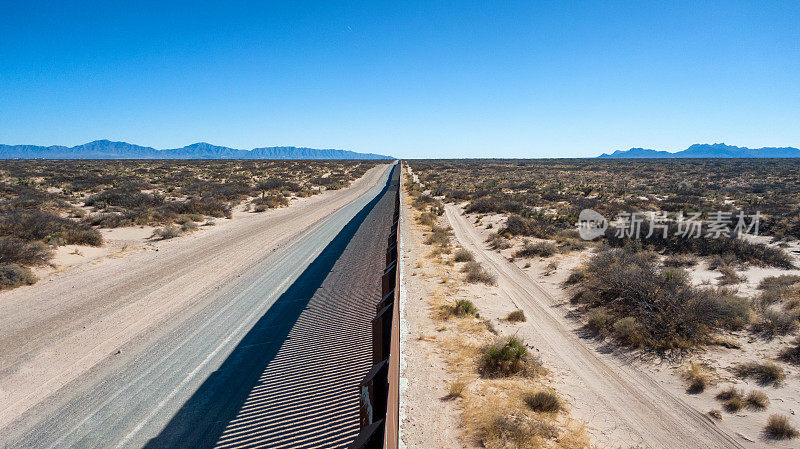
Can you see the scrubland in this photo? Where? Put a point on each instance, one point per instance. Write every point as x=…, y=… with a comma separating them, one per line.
x=50, y=204
x=721, y=313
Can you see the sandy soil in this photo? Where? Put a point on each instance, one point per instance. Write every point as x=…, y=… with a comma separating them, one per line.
x=95, y=301
x=430, y=420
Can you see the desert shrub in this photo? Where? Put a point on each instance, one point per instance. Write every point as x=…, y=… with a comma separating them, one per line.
x=270, y=184
x=167, y=232
x=271, y=201
x=31, y=225
x=599, y=321
x=538, y=226
x=438, y=236
x=13, y=275
x=575, y=276
x=729, y=276
x=543, y=402
x=716, y=414
x=680, y=260
x=792, y=353
x=774, y=322
x=464, y=307
x=541, y=249
x=516, y=316
x=189, y=226
x=779, y=428
x=497, y=241
x=126, y=198
x=476, y=273
x=740, y=249
x=508, y=357
x=654, y=306
x=630, y=332
x=764, y=373
x=421, y=202
x=463, y=255
x=427, y=219
x=778, y=282
x=491, y=204
x=757, y=400
x=17, y=251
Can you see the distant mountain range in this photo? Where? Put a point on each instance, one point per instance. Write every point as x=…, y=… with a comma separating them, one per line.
x=717, y=150
x=106, y=149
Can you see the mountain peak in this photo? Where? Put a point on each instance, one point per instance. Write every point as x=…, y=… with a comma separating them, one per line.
x=705, y=150
x=106, y=149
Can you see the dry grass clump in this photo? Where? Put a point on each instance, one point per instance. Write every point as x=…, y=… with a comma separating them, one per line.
x=729, y=276
x=456, y=389
x=792, y=353
x=516, y=430
x=757, y=400
x=779, y=428
x=463, y=255
x=732, y=399
x=516, y=316
x=698, y=377
x=543, y=401
x=714, y=413
x=508, y=357
x=476, y=273
x=599, y=321
x=766, y=373
x=541, y=249
x=652, y=306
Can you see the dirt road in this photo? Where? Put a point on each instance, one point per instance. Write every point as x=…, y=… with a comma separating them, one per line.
x=622, y=405
x=138, y=335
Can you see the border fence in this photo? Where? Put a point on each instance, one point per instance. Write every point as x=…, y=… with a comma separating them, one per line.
x=380, y=389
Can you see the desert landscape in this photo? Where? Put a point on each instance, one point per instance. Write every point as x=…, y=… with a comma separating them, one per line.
x=646, y=343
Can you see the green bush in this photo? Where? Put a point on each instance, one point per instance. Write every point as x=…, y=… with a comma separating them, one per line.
x=507, y=357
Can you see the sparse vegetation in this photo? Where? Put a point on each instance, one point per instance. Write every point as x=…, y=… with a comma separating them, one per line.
x=698, y=378
x=766, y=373
x=463, y=255
x=464, y=307
x=476, y=273
x=757, y=400
x=792, y=353
x=508, y=357
x=540, y=249
x=516, y=316
x=13, y=275
x=779, y=428
x=652, y=306
x=543, y=401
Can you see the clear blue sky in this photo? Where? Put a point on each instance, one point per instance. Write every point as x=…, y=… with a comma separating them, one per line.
x=411, y=79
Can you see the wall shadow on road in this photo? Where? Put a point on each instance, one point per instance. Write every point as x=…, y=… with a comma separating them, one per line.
x=202, y=419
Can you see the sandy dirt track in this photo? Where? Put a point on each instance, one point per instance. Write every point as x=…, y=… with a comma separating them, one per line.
x=622, y=405
x=53, y=332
